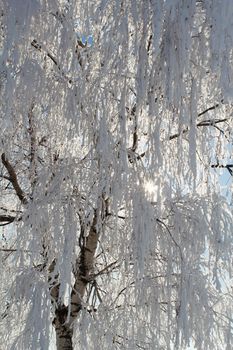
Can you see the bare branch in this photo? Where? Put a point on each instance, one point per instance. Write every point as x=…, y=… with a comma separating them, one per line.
x=106, y=269
x=208, y=122
x=202, y=123
x=11, y=250
x=5, y=177
x=37, y=46
x=7, y=218
x=178, y=134
x=209, y=109
x=229, y=167
x=11, y=210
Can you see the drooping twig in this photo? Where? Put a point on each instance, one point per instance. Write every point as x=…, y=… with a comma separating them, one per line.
x=170, y=234
x=39, y=47
x=13, y=179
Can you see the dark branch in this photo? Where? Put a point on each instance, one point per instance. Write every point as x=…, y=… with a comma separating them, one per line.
x=209, y=109
x=229, y=167
x=37, y=46
x=13, y=179
x=207, y=122
x=178, y=134
x=32, y=156
x=7, y=218
x=210, y=122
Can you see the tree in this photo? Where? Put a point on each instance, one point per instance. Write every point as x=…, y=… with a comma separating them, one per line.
x=115, y=118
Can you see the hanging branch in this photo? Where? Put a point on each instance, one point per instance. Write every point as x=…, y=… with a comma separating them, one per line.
x=13, y=179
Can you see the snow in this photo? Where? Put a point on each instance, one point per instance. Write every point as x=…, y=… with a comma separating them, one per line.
x=125, y=130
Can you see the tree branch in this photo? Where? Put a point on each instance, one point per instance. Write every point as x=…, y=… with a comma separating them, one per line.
x=210, y=122
x=32, y=134
x=7, y=219
x=209, y=109
x=107, y=269
x=13, y=179
x=170, y=234
x=37, y=46
x=229, y=167
x=207, y=122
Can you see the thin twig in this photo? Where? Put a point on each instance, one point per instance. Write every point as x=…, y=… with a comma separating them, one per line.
x=14, y=250
x=202, y=123
x=170, y=234
x=208, y=109
x=105, y=269
x=208, y=122
x=227, y=166
x=37, y=46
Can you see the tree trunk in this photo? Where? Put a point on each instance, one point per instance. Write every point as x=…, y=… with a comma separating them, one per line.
x=85, y=262
x=64, y=338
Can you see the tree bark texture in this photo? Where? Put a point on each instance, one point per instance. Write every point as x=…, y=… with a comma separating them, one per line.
x=63, y=322
x=64, y=338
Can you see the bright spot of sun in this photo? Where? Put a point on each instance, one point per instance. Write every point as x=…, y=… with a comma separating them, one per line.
x=151, y=190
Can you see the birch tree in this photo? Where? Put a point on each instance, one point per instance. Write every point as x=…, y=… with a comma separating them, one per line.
x=116, y=120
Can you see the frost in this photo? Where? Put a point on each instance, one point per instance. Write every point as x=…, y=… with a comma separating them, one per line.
x=116, y=121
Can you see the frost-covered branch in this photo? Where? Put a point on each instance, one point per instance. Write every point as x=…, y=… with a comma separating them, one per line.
x=119, y=226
